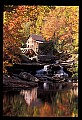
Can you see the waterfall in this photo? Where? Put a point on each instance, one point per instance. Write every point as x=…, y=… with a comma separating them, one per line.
x=46, y=67
x=61, y=72
x=61, y=68
x=42, y=71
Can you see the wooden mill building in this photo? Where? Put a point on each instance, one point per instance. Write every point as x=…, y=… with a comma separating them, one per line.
x=34, y=41
x=38, y=44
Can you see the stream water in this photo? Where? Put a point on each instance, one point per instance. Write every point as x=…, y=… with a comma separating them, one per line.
x=41, y=102
x=46, y=100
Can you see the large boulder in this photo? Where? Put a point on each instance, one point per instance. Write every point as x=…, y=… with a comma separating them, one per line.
x=27, y=76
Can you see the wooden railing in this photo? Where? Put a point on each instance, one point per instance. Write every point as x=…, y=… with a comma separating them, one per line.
x=23, y=50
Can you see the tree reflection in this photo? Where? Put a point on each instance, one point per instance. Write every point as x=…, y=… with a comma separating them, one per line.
x=63, y=104
x=29, y=95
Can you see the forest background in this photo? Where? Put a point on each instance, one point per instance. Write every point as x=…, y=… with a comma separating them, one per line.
x=56, y=23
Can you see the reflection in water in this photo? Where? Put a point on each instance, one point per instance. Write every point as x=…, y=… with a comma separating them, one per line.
x=74, y=91
x=29, y=95
x=62, y=103
x=45, y=86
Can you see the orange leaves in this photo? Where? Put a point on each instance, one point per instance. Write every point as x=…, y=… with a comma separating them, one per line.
x=45, y=110
x=64, y=37
x=62, y=107
x=20, y=10
x=13, y=31
x=60, y=18
x=11, y=25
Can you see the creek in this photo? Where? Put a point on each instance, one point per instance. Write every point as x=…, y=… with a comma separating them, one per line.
x=44, y=101
x=55, y=96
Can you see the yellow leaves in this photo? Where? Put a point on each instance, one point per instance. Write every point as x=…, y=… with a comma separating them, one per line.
x=4, y=17
x=75, y=27
x=67, y=28
x=74, y=115
x=36, y=111
x=61, y=20
x=75, y=37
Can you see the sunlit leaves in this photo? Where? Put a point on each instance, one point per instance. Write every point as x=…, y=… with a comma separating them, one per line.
x=62, y=23
x=59, y=23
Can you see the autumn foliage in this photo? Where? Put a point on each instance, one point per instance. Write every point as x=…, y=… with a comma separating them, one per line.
x=57, y=23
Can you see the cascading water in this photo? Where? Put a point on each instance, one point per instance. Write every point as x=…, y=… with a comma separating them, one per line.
x=61, y=73
x=46, y=67
x=42, y=72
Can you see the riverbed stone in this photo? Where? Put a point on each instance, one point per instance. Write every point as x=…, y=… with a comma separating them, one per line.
x=27, y=76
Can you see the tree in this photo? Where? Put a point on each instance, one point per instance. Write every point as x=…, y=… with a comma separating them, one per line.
x=57, y=23
x=42, y=12
x=62, y=25
x=13, y=34
x=17, y=24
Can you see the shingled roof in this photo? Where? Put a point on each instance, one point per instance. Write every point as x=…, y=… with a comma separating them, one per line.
x=37, y=37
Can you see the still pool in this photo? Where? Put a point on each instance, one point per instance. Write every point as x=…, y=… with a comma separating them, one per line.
x=40, y=102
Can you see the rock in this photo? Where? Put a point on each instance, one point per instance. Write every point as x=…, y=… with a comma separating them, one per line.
x=67, y=71
x=25, y=58
x=13, y=69
x=24, y=67
x=46, y=58
x=13, y=83
x=53, y=69
x=56, y=79
x=6, y=77
x=27, y=76
x=15, y=78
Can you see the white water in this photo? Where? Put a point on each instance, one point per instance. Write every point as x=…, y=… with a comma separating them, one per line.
x=46, y=67
x=61, y=73
x=42, y=71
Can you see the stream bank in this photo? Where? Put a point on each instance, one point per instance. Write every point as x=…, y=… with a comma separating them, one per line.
x=36, y=73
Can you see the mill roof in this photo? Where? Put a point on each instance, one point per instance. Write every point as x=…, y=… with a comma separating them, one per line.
x=37, y=37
